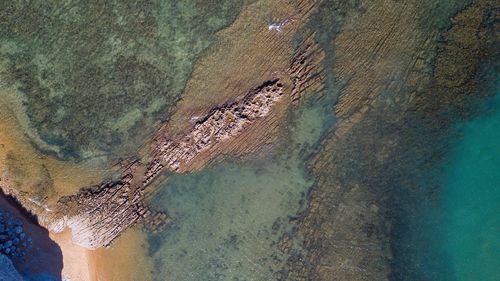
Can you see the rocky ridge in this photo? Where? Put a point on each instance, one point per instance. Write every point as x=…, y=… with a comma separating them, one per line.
x=223, y=123
x=105, y=211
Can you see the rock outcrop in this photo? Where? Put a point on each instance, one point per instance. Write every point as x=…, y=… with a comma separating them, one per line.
x=97, y=215
x=306, y=70
x=222, y=123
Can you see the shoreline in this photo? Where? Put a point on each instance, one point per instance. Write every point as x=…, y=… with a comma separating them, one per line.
x=56, y=254
x=240, y=114
x=44, y=256
x=62, y=258
x=126, y=258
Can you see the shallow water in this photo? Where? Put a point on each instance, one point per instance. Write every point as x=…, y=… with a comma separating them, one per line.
x=227, y=219
x=94, y=77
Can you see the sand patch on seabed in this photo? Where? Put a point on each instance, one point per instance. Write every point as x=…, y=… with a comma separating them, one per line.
x=125, y=260
x=27, y=170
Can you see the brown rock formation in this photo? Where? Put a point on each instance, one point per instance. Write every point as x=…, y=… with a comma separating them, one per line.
x=223, y=123
x=99, y=214
x=306, y=70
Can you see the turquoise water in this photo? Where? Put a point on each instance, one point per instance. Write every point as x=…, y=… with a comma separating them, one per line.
x=471, y=201
x=454, y=233
x=227, y=219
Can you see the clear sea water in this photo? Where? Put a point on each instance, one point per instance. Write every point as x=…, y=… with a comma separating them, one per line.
x=227, y=219
x=470, y=232
x=455, y=235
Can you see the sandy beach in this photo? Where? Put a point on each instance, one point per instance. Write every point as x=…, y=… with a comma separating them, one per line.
x=124, y=260
x=76, y=259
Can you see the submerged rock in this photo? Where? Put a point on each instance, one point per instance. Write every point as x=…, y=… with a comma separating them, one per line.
x=7, y=270
x=13, y=239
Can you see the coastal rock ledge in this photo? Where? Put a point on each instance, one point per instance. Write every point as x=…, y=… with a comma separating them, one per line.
x=98, y=215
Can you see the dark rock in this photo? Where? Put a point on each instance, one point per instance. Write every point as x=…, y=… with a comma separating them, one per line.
x=8, y=244
x=18, y=229
x=18, y=222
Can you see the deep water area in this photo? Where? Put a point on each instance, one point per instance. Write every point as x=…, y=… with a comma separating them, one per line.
x=470, y=202
x=453, y=235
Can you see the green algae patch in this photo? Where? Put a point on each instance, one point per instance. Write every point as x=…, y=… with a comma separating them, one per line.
x=94, y=77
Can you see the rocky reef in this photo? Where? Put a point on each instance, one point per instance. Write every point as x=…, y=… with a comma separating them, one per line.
x=98, y=91
x=97, y=215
